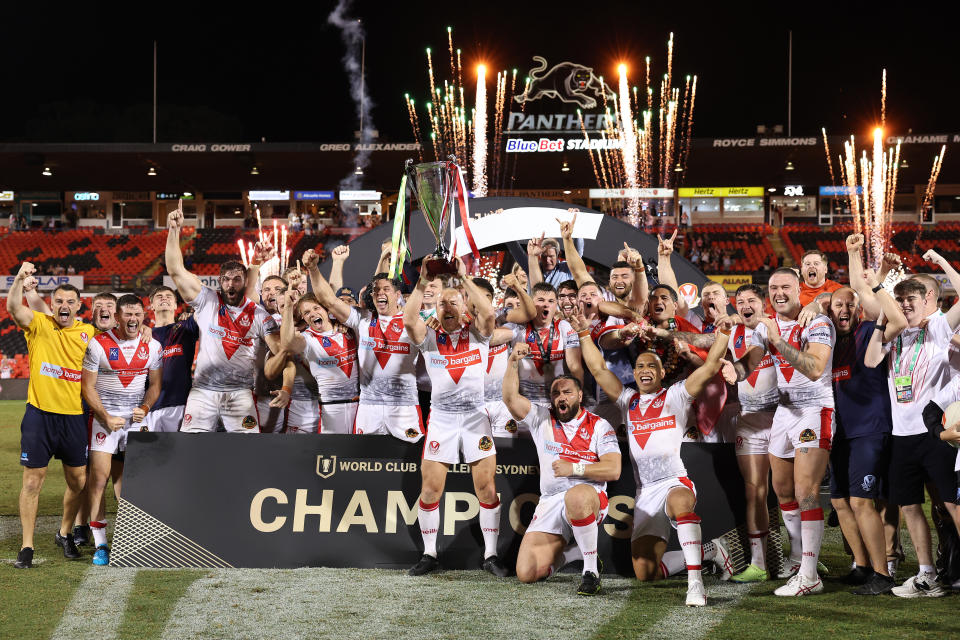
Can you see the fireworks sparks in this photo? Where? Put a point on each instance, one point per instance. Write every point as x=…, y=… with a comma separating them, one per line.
x=629, y=148
x=932, y=180
x=480, y=135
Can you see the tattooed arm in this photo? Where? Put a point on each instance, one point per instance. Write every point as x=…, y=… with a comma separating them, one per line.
x=811, y=362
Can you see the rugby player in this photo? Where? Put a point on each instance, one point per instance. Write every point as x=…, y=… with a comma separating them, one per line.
x=386, y=356
x=456, y=360
x=578, y=454
x=178, y=338
x=861, y=444
x=271, y=392
x=918, y=371
x=116, y=367
x=331, y=356
x=231, y=324
x=803, y=423
x=656, y=419
x=53, y=424
x=553, y=344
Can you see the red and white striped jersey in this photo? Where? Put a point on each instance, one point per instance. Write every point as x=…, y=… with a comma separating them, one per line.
x=122, y=367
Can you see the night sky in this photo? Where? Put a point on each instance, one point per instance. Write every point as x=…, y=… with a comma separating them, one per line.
x=85, y=75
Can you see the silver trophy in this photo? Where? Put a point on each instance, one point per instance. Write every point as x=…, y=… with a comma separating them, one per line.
x=433, y=184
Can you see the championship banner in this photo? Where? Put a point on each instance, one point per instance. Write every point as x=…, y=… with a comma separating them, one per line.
x=732, y=282
x=286, y=501
x=44, y=283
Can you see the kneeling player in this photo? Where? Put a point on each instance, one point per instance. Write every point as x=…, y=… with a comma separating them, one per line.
x=656, y=419
x=578, y=454
x=456, y=361
x=113, y=382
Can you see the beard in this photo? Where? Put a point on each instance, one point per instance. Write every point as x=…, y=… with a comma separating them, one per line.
x=566, y=416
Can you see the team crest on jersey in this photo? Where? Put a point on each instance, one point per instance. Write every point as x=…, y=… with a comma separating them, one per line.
x=114, y=354
x=692, y=434
x=144, y=428
x=658, y=403
x=249, y=422
x=485, y=443
x=511, y=426
x=411, y=433
x=101, y=437
x=187, y=418
x=244, y=321
x=396, y=326
x=434, y=446
x=142, y=353
x=807, y=435
x=84, y=336
x=739, y=443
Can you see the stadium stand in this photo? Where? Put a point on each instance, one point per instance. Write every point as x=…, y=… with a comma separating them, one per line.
x=747, y=243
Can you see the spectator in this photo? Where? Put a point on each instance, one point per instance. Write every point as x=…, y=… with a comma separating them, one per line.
x=71, y=270
x=294, y=221
x=727, y=261
x=13, y=221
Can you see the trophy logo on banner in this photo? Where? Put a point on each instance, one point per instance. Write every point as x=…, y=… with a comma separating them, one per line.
x=437, y=186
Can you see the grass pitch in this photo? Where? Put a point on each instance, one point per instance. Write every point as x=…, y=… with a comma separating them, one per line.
x=62, y=599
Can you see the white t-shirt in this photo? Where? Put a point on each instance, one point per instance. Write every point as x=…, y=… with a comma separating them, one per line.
x=457, y=366
x=795, y=388
x=759, y=392
x=583, y=439
x=930, y=374
x=656, y=423
x=332, y=357
x=228, y=341
x=121, y=367
x=546, y=359
x=946, y=397
x=387, y=357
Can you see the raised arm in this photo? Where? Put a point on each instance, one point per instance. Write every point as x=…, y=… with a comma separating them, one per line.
x=665, y=272
x=291, y=340
x=22, y=315
x=526, y=311
x=321, y=288
x=187, y=284
x=953, y=315
x=610, y=384
x=534, y=249
x=412, y=321
x=518, y=406
x=338, y=258
x=888, y=308
x=34, y=300
x=640, y=292
x=868, y=299
x=486, y=318
x=383, y=265
x=697, y=381
x=875, y=354
x=574, y=261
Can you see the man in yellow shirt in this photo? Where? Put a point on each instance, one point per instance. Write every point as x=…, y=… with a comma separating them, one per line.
x=53, y=424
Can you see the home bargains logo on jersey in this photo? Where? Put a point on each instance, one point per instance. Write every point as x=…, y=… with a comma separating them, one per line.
x=384, y=346
x=61, y=373
x=643, y=428
x=567, y=452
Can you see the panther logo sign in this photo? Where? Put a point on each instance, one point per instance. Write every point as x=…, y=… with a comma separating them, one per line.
x=566, y=81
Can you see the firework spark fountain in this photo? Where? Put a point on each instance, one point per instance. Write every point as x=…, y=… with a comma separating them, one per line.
x=480, y=136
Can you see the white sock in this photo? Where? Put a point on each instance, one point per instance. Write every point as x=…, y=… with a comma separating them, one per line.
x=758, y=549
x=428, y=515
x=791, y=521
x=672, y=563
x=891, y=567
x=811, y=530
x=490, y=527
x=928, y=569
x=569, y=554
x=688, y=533
x=99, y=529
x=585, y=533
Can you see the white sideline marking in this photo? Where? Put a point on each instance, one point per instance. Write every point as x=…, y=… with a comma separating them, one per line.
x=96, y=610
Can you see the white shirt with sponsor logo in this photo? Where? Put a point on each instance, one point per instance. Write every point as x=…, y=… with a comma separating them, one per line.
x=931, y=373
x=228, y=341
x=387, y=357
x=332, y=357
x=655, y=424
x=759, y=392
x=457, y=366
x=546, y=359
x=122, y=367
x=949, y=394
x=584, y=439
x=796, y=389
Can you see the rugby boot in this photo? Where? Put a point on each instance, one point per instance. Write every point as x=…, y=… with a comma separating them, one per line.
x=70, y=551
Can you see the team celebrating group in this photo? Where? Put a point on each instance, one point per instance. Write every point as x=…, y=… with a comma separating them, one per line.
x=837, y=377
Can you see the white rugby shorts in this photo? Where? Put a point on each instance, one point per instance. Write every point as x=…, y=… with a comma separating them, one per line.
x=102, y=439
x=502, y=424
x=236, y=409
x=402, y=422
x=338, y=418
x=550, y=515
x=269, y=418
x=303, y=416
x=753, y=433
x=165, y=419
x=801, y=428
x=650, y=508
x=450, y=434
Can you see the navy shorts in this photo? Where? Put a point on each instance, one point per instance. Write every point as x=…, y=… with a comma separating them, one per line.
x=917, y=460
x=45, y=435
x=858, y=466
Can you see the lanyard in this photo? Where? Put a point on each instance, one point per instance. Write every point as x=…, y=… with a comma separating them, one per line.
x=916, y=352
x=545, y=351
